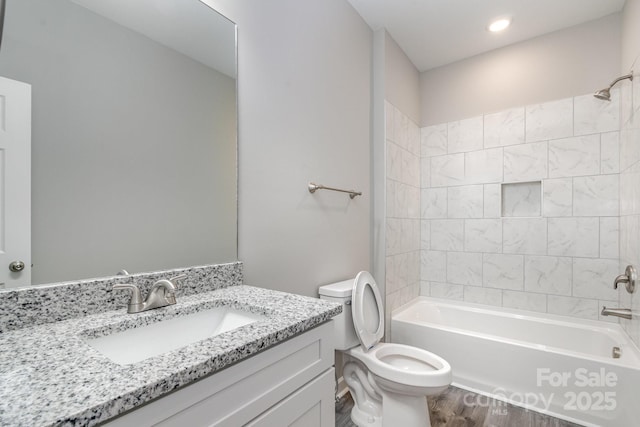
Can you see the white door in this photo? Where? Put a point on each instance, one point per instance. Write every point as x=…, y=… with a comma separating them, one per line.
x=15, y=183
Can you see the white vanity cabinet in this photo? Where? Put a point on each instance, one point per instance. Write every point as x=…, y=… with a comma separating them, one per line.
x=290, y=384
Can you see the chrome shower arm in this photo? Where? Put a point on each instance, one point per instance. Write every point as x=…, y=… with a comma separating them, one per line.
x=628, y=76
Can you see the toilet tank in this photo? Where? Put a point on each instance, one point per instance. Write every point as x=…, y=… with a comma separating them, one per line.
x=345, y=333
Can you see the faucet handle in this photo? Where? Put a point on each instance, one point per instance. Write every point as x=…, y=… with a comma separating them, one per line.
x=136, y=296
x=174, y=280
x=620, y=279
x=171, y=296
x=628, y=278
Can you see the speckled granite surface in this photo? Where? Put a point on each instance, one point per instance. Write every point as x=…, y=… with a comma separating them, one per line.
x=37, y=305
x=50, y=377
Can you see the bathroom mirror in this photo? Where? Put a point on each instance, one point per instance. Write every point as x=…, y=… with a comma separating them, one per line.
x=134, y=129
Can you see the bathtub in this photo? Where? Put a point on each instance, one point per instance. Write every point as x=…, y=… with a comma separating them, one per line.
x=556, y=365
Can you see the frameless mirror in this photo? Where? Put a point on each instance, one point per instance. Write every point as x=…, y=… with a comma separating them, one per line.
x=133, y=135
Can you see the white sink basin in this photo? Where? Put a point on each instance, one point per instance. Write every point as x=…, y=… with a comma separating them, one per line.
x=135, y=345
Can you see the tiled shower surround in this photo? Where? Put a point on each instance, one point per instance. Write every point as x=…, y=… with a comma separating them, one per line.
x=549, y=244
x=630, y=196
x=402, y=211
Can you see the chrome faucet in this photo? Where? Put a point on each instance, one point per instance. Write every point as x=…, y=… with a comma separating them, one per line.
x=625, y=313
x=162, y=293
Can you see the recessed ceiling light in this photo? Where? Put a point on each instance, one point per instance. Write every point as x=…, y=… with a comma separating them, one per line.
x=499, y=24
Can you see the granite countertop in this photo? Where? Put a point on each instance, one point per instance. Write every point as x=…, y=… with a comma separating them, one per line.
x=49, y=376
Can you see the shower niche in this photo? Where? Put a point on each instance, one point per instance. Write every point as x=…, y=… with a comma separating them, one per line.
x=521, y=199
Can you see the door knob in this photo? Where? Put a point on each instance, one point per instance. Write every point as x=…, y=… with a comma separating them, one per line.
x=16, y=266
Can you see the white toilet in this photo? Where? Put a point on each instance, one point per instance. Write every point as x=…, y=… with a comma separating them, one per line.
x=389, y=382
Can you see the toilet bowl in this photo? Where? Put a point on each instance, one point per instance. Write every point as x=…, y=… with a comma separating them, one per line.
x=405, y=369
x=389, y=382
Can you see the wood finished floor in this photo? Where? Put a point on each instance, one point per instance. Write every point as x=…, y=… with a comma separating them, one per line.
x=448, y=409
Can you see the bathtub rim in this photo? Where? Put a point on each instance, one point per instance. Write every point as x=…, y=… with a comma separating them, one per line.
x=599, y=326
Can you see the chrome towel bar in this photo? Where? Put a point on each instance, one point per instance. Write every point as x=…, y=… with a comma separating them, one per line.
x=313, y=187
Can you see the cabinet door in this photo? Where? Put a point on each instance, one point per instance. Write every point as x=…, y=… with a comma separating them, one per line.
x=311, y=406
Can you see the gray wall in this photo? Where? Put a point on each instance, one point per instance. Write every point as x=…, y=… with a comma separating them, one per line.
x=562, y=64
x=125, y=173
x=402, y=80
x=630, y=35
x=304, y=100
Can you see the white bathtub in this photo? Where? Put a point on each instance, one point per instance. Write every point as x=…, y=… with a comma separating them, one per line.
x=557, y=365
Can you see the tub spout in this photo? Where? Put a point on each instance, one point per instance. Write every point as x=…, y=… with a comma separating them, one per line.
x=625, y=313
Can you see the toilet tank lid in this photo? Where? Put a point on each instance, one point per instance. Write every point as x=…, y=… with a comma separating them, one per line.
x=337, y=290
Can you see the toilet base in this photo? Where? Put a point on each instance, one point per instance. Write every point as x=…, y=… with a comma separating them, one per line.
x=380, y=402
x=398, y=410
x=362, y=419
x=404, y=410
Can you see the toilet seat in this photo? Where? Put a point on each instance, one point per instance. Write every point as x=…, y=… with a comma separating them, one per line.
x=366, y=303
x=404, y=364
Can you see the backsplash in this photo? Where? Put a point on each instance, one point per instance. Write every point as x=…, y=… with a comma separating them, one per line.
x=402, y=211
x=630, y=197
x=549, y=244
x=36, y=305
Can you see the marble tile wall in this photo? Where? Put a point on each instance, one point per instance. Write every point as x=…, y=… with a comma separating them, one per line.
x=548, y=248
x=403, y=210
x=630, y=196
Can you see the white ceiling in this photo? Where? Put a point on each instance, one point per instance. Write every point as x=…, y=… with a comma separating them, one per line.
x=438, y=32
x=188, y=26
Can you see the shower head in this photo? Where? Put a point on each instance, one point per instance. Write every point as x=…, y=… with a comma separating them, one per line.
x=605, y=94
